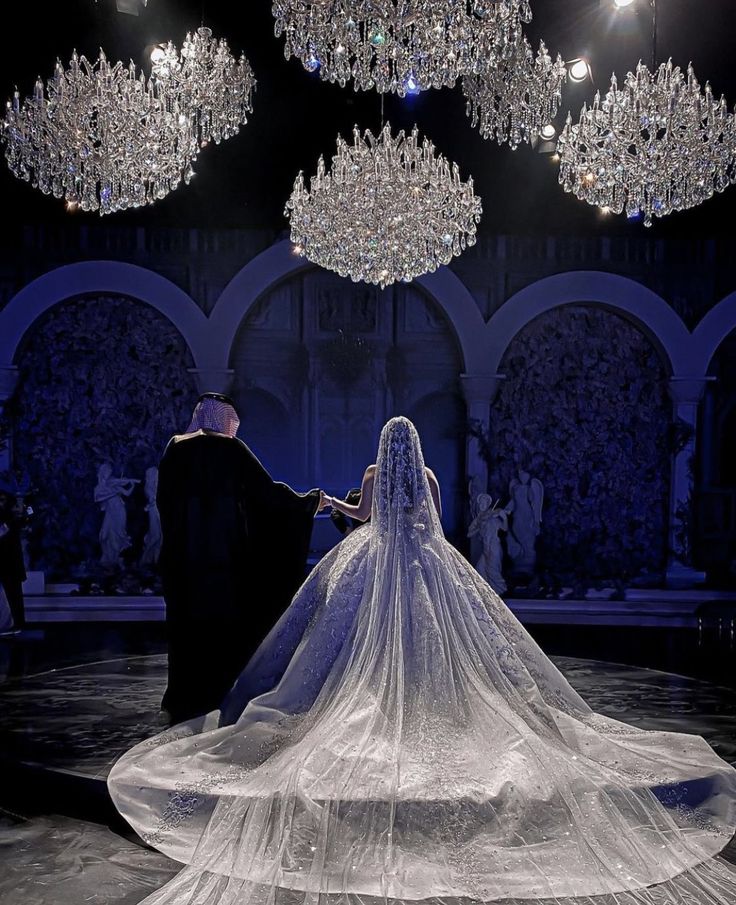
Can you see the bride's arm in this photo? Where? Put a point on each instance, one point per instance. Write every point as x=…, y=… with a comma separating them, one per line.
x=434, y=489
x=362, y=511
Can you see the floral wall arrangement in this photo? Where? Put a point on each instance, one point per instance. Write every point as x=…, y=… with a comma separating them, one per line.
x=102, y=379
x=584, y=408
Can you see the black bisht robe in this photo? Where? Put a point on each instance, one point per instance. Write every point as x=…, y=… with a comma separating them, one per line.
x=234, y=552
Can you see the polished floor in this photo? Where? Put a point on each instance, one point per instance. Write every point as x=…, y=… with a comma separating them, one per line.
x=72, y=699
x=79, y=719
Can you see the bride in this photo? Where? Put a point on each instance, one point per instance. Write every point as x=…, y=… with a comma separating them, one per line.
x=400, y=737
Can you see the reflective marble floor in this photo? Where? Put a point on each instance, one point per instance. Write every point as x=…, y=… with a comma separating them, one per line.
x=68, y=721
x=79, y=719
x=56, y=860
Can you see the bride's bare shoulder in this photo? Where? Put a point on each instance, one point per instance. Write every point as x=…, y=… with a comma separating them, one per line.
x=370, y=471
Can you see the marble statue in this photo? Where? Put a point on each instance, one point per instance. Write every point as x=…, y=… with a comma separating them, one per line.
x=153, y=538
x=109, y=494
x=488, y=525
x=476, y=489
x=525, y=508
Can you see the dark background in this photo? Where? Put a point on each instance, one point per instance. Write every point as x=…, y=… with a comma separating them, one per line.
x=245, y=181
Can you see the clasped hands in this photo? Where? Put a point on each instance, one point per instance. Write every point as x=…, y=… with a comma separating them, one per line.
x=325, y=501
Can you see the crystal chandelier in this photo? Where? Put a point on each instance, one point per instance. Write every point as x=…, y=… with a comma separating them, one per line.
x=106, y=138
x=656, y=145
x=207, y=84
x=98, y=135
x=517, y=95
x=389, y=209
x=397, y=45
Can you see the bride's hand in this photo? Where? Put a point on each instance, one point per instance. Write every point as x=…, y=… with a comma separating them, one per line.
x=324, y=501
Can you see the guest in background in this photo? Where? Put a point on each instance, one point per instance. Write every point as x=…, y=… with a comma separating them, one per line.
x=12, y=567
x=344, y=523
x=234, y=552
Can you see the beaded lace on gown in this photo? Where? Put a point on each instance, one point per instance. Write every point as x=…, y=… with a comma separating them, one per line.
x=406, y=741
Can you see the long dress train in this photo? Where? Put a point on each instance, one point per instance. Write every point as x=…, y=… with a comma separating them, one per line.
x=406, y=741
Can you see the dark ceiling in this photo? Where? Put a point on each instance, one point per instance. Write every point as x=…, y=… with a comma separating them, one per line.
x=244, y=182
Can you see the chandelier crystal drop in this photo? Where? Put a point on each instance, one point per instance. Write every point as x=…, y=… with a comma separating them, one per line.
x=657, y=144
x=517, y=95
x=389, y=209
x=400, y=46
x=207, y=84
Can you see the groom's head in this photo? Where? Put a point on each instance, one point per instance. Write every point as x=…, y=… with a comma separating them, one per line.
x=215, y=412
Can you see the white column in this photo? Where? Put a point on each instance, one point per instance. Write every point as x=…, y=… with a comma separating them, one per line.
x=8, y=382
x=686, y=394
x=479, y=392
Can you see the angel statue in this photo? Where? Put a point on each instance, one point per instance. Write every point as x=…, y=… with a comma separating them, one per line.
x=109, y=494
x=476, y=490
x=525, y=509
x=488, y=524
x=153, y=537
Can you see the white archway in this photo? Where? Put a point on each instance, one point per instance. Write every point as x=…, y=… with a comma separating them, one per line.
x=618, y=294
x=279, y=263
x=712, y=330
x=86, y=277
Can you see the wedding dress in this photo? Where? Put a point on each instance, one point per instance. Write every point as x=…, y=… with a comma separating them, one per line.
x=406, y=741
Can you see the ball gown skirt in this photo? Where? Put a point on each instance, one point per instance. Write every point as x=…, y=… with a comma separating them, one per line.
x=405, y=740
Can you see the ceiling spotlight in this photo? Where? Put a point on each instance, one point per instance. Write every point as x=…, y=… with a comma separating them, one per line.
x=158, y=54
x=131, y=7
x=548, y=132
x=579, y=70
x=622, y=4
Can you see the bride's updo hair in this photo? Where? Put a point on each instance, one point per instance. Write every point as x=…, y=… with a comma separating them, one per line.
x=400, y=482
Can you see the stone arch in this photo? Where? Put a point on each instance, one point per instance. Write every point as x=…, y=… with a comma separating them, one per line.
x=618, y=294
x=278, y=263
x=83, y=278
x=712, y=330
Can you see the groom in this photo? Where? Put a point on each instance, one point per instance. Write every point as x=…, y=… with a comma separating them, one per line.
x=234, y=551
